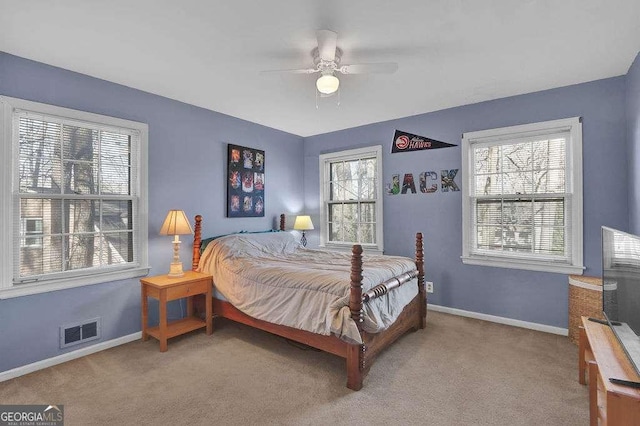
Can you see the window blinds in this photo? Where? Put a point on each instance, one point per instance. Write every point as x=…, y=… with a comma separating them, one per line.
x=75, y=192
x=521, y=197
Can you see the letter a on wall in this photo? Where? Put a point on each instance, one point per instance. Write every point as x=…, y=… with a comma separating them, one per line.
x=408, y=183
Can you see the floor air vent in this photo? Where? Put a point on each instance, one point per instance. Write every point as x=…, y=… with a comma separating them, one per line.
x=74, y=334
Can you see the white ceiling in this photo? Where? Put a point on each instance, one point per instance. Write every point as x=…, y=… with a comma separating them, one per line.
x=210, y=53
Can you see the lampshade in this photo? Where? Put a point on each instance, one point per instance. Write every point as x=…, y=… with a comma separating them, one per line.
x=327, y=84
x=176, y=223
x=303, y=223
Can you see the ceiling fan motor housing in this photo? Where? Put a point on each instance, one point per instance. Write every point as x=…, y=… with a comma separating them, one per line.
x=323, y=65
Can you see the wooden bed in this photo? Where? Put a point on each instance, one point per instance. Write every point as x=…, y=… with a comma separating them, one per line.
x=359, y=357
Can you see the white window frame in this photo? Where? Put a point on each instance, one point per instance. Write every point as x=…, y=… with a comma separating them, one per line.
x=573, y=181
x=8, y=151
x=325, y=173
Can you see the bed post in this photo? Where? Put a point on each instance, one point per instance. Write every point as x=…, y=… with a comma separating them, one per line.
x=282, y=222
x=355, y=297
x=421, y=290
x=355, y=352
x=197, y=240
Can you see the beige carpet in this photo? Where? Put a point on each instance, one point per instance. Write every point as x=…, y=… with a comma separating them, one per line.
x=457, y=371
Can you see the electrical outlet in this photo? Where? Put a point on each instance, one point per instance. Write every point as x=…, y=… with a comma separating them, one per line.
x=429, y=286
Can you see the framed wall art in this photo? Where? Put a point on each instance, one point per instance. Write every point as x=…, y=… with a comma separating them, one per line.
x=245, y=182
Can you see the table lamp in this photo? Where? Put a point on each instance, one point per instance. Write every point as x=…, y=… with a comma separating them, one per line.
x=303, y=223
x=176, y=224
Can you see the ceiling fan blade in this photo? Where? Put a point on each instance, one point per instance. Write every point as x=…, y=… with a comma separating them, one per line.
x=292, y=71
x=377, y=68
x=327, y=44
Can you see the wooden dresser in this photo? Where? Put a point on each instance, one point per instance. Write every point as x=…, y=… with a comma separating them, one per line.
x=600, y=358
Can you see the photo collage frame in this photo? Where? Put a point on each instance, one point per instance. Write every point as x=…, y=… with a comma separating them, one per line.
x=245, y=182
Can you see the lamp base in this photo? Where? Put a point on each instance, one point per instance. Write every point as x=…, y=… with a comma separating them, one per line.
x=303, y=240
x=175, y=270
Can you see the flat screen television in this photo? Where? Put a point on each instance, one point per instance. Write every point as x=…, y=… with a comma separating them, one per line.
x=621, y=289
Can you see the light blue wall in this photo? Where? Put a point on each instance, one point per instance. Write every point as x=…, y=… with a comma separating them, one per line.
x=528, y=296
x=187, y=156
x=633, y=139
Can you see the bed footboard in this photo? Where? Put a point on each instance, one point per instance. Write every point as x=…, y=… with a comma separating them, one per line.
x=357, y=297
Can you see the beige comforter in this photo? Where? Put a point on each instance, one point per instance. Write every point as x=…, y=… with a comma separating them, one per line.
x=269, y=277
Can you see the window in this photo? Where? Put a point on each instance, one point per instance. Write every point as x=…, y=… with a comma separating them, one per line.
x=74, y=197
x=351, y=199
x=522, y=201
x=31, y=229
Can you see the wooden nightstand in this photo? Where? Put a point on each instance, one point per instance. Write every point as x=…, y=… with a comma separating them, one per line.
x=164, y=289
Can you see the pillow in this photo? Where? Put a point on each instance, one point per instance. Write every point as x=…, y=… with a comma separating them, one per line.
x=205, y=242
x=255, y=244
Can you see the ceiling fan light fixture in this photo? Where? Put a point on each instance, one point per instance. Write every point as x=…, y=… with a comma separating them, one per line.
x=327, y=84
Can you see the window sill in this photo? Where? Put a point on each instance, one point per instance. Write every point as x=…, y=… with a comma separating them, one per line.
x=540, y=266
x=70, y=282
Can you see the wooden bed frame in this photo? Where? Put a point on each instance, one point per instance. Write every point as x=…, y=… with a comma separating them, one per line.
x=359, y=357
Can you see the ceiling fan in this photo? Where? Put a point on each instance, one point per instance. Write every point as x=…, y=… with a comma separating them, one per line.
x=326, y=61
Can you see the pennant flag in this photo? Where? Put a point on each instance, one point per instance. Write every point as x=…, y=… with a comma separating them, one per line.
x=405, y=142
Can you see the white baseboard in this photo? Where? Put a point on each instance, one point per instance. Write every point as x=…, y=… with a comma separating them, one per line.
x=49, y=362
x=501, y=320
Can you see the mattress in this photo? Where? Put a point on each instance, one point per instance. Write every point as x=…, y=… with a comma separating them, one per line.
x=270, y=277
